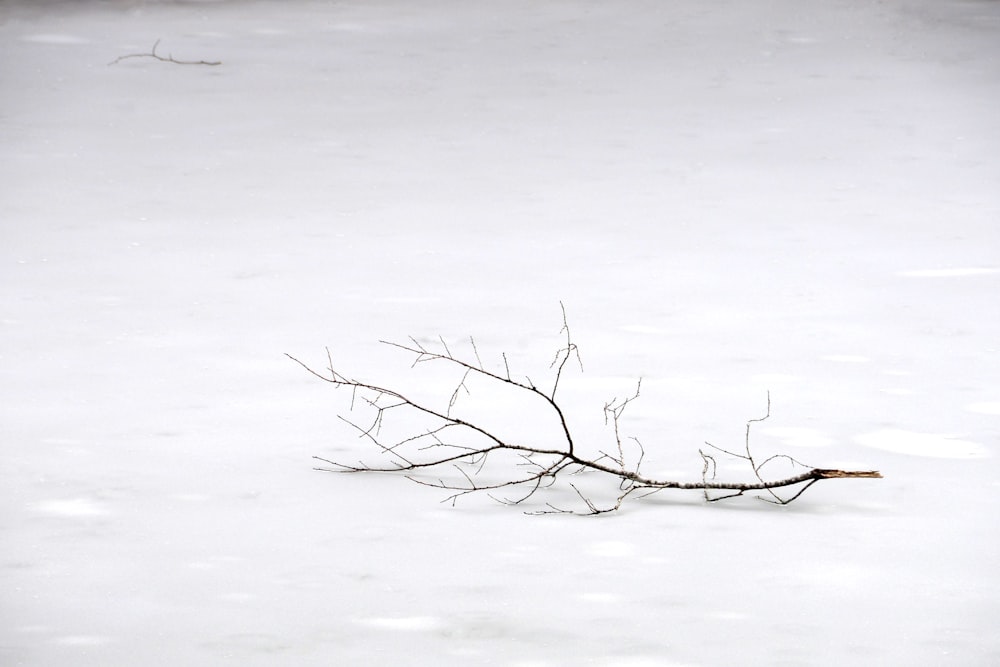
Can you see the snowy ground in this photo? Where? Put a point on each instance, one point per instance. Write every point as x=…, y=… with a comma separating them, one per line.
x=730, y=198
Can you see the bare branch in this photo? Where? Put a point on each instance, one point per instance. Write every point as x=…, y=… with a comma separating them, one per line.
x=166, y=59
x=471, y=450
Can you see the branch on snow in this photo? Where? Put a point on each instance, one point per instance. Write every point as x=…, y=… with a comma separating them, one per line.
x=460, y=452
x=169, y=58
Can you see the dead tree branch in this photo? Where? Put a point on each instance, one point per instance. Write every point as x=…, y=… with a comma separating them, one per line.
x=169, y=58
x=473, y=452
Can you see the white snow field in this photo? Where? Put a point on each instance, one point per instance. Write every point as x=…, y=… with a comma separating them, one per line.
x=731, y=198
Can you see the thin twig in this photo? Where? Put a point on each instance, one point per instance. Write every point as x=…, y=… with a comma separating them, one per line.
x=166, y=59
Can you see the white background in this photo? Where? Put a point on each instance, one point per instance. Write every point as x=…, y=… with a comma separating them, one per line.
x=730, y=198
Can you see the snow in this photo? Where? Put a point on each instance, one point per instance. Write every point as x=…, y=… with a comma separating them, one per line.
x=730, y=199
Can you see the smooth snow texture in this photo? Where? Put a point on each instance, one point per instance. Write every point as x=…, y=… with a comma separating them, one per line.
x=799, y=437
x=986, y=407
x=922, y=444
x=957, y=272
x=732, y=200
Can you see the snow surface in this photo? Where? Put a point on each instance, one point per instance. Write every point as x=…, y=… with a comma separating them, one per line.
x=730, y=198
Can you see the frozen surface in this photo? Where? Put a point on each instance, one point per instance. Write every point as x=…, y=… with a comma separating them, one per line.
x=730, y=198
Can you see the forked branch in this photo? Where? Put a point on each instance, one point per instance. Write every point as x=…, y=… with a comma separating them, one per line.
x=465, y=455
x=169, y=58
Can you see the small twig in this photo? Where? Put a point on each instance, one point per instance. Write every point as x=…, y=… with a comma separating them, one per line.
x=614, y=409
x=563, y=355
x=169, y=58
x=472, y=341
x=458, y=389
